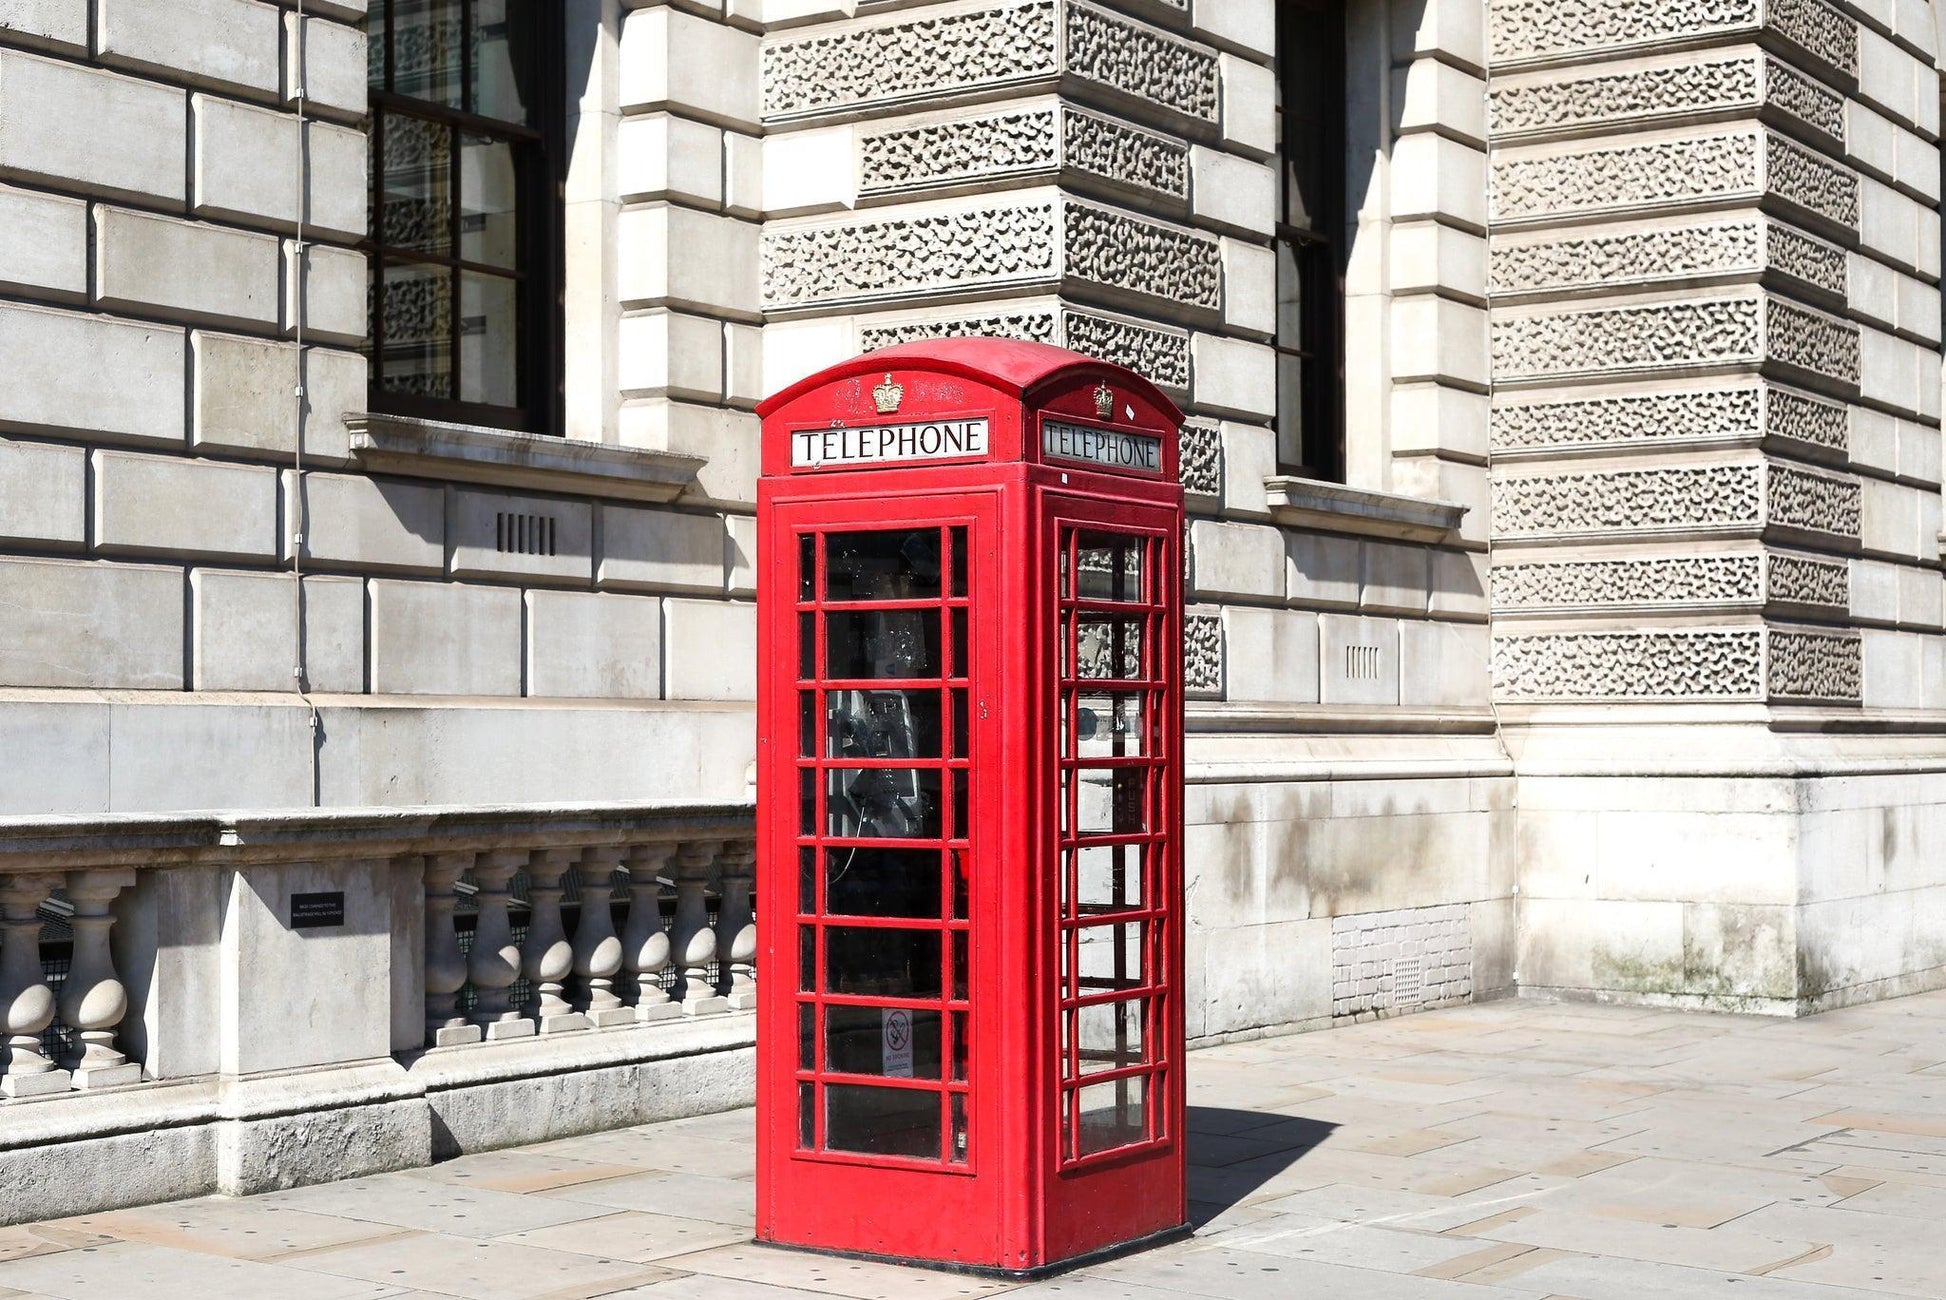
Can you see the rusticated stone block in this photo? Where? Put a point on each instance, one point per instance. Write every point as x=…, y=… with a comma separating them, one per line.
x=444, y=638
x=164, y=505
x=100, y=626
x=96, y=131
x=183, y=268
x=228, y=43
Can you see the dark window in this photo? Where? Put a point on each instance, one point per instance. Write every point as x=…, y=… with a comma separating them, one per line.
x=1311, y=238
x=465, y=200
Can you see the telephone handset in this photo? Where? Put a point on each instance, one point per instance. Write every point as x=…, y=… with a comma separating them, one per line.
x=876, y=803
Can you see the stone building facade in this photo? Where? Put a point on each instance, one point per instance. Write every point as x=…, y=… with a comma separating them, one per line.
x=377, y=458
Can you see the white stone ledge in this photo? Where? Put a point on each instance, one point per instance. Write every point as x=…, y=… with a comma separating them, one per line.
x=1210, y=717
x=441, y=1068
x=464, y=453
x=52, y=843
x=1335, y=507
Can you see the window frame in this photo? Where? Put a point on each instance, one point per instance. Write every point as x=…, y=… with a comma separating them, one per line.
x=539, y=263
x=1318, y=255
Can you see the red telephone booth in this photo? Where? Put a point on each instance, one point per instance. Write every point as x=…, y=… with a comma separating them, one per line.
x=970, y=1044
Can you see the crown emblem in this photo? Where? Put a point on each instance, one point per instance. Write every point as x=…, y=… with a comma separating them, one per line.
x=1104, y=402
x=888, y=395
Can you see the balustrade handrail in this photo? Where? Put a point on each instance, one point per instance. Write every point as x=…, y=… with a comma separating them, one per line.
x=141, y=840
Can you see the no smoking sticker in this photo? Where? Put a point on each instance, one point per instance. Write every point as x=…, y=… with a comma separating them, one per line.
x=897, y=1043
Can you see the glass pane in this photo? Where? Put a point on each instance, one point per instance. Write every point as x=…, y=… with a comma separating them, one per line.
x=958, y=1019
x=1112, y=1115
x=415, y=186
x=807, y=645
x=807, y=958
x=894, y=565
x=416, y=313
x=807, y=880
x=882, y=882
x=1108, y=648
x=892, y=1041
x=882, y=724
x=1110, y=566
x=1290, y=411
x=876, y=803
x=1110, y=956
x=806, y=1116
x=962, y=823
x=489, y=225
x=1110, y=801
x=959, y=561
x=807, y=801
x=960, y=966
x=807, y=566
x=882, y=1121
x=499, y=29
x=489, y=339
x=1290, y=297
x=1110, y=726
x=962, y=732
x=807, y=724
x=957, y=1152
x=375, y=43
x=1110, y=1035
x=427, y=38
x=807, y=1036
x=882, y=963
x=1108, y=877
x=881, y=644
x=962, y=646
x=960, y=884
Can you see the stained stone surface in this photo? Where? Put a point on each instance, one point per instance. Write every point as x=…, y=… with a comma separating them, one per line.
x=1517, y=1148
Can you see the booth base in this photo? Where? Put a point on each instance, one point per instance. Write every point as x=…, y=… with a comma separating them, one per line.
x=1034, y=1274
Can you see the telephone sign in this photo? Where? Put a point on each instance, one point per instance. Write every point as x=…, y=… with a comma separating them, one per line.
x=970, y=1049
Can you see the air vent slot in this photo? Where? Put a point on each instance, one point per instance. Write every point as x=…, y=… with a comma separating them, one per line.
x=523, y=534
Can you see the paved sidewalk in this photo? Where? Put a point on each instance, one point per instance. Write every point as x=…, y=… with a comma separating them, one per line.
x=1514, y=1149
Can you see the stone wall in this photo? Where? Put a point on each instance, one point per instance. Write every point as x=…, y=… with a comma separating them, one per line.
x=464, y=633
x=1714, y=273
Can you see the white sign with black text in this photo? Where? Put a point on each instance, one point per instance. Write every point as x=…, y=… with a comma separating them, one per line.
x=888, y=443
x=896, y=1055
x=1136, y=451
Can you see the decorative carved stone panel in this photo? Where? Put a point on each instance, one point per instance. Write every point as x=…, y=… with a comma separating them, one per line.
x=965, y=249
x=1672, y=582
x=952, y=53
x=1679, y=664
x=1159, y=352
x=1746, y=413
x=1747, y=329
x=1202, y=458
x=1202, y=639
x=1743, y=162
x=1699, y=499
x=1747, y=247
x=1043, y=141
x=1686, y=86
x=1543, y=31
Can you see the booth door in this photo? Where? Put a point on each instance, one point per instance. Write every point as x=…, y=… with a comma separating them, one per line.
x=1116, y=922
x=885, y=839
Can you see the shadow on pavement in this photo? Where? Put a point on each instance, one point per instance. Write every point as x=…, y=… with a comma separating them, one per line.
x=1234, y=1152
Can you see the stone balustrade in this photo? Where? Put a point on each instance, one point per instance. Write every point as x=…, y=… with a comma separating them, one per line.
x=414, y=972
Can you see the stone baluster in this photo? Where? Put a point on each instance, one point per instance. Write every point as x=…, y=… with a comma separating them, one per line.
x=736, y=927
x=597, y=948
x=445, y=963
x=494, y=963
x=645, y=942
x=26, y=1001
x=93, y=1000
x=692, y=943
x=547, y=958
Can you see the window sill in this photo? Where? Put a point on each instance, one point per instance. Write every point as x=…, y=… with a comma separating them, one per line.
x=1312, y=503
x=465, y=453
